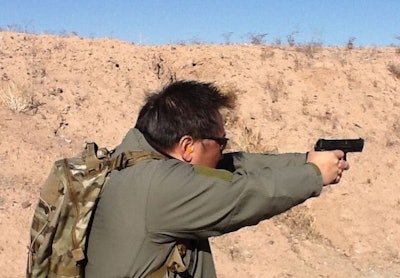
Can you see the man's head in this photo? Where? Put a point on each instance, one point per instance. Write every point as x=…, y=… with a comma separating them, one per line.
x=184, y=120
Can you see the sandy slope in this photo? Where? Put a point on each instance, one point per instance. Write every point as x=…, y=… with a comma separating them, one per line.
x=84, y=89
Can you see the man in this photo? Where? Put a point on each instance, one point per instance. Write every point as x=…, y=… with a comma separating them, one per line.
x=196, y=192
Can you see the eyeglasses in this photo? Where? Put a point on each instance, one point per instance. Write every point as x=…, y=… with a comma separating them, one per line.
x=222, y=141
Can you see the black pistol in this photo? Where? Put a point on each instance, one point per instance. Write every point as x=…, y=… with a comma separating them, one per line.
x=346, y=145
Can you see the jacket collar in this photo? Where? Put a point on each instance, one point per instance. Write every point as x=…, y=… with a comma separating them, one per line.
x=134, y=140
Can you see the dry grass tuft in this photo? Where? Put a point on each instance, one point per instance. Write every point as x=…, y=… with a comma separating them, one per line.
x=251, y=141
x=310, y=49
x=275, y=88
x=300, y=224
x=17, y=99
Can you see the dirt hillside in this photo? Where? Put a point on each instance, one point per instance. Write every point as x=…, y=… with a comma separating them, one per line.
x=58, y=92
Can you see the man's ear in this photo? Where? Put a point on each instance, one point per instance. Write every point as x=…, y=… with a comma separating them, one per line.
x=186, y=148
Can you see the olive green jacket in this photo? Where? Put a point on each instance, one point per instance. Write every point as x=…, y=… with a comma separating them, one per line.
x=148, y=208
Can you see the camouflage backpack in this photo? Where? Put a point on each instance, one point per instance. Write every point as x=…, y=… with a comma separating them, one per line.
x=68, y=198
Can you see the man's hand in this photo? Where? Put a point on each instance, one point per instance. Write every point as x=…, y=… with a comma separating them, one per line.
x=330, y=163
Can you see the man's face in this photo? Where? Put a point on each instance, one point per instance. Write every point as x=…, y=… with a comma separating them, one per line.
x=208, y=152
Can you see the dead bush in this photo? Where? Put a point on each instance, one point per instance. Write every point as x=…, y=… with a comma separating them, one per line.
x=309, y=49
x=394, y=69
x=17, y=99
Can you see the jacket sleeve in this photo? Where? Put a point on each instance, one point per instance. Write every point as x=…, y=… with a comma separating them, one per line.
x=186, y=201
x=242, y=160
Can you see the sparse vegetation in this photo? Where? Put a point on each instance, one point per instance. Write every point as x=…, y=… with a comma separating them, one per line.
x=17, y=99
x=301, y=224
x=310, y=49
x=266, y=52
x=227, y=37
x=257, y=39
x=250, y=140
x=274, y=89
x=278, y=42
x=394, y=69
x=396, y=127
x=290, y=38
x=398, y=47
x=350, y=43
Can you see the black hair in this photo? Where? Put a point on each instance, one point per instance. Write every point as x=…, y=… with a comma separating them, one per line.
x=182, y=108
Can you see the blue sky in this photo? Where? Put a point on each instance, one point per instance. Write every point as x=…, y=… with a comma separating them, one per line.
x=334, y=22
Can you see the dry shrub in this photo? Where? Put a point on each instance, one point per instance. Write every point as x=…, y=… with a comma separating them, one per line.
x=257, y=39
x=394, y=68
x=251, y=141
x=230, y=115
x=350, y=43
x=274, y=88
x=17, y=99
x=390, y=141
x=246, y=138
x=232, y=247
x=300, y=224
x=309, y=49
x=266, y=53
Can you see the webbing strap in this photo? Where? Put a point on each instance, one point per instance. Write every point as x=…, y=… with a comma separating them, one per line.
x=129, y=158
x=174, y=264
x=60, y=270
x=117, y=162
x=75, y=205
x=123, y=160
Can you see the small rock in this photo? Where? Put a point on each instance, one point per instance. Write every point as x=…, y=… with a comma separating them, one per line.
x=26, y=204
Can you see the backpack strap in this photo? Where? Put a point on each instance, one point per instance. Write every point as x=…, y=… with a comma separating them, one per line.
x=92, y=156
x=129, y=158
x=77, y=252
x=174, y=264
x=126, y=159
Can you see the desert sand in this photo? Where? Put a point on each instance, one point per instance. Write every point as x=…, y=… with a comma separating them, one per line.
x=59, y=92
